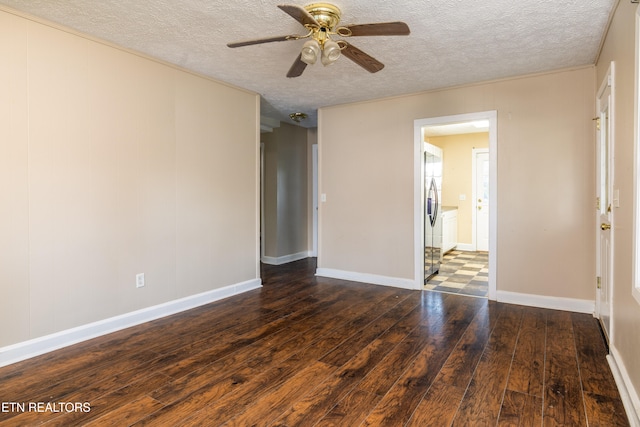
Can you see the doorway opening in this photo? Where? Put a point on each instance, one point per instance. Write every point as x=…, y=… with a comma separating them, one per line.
x=467, y=201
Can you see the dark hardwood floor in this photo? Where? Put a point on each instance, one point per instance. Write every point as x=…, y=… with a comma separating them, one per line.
x=306, y=351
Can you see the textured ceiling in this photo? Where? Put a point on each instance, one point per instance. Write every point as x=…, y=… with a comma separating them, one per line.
x=452, y=42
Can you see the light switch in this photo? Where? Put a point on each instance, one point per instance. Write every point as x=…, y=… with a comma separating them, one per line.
x=323, y=197
x=616, y=198
x=463, y=197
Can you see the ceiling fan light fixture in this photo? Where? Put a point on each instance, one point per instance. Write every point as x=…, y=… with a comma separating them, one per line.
x=330, y=53
x=320, y=21
x=310, y=52
x=298, y=117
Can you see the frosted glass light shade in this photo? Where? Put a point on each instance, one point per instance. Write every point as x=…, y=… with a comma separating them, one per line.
x=330, y=53
x=310, y=52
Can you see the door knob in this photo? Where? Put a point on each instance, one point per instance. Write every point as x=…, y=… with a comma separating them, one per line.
x=479, y=208
x=605, y=226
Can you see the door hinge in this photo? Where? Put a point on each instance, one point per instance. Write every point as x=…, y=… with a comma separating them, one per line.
x=597, y=120
x=597, y=203
x=598, y=282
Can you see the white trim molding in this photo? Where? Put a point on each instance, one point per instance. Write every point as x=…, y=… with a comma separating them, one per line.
x=542, y=301
x=373, y=279
x=286, y=258
x=37, y=346
x=628, y=393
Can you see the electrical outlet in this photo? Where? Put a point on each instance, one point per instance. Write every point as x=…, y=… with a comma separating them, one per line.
x=139, y=280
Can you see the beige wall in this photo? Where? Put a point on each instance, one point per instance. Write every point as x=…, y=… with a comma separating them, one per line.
x=619, y=47
x=286, y=195
x=545, y=136
x=112, y=165
x=457, y=175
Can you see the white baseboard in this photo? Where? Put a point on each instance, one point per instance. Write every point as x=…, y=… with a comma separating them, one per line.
x=555, y=303
x=373, y=279
x=285, y=258
x=37, y=346
x=467, y=247
x=628, y=393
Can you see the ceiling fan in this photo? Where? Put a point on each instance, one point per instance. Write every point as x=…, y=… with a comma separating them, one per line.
x=321, y=20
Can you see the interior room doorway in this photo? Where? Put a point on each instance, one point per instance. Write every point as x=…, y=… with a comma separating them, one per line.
x=468, y=195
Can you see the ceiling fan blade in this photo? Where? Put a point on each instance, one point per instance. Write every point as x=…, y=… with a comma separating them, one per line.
x=300, y=14
x=364, y=60
x=297, y=68
x=260, y=41
x=380, y=29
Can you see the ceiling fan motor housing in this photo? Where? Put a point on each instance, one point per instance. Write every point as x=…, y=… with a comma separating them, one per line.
x=327, y=15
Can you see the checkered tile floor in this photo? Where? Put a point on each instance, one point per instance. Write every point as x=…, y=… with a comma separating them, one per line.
x=464, y=273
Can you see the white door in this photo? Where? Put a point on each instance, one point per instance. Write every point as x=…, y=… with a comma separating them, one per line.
x=481, y=201
x=604, y=200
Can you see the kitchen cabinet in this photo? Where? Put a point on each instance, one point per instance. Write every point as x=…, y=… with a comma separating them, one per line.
x=449, y=229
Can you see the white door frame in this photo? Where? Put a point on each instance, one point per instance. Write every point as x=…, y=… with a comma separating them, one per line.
x=474, y=205
x=418, y=219
x=262, y=246
x=314, y=199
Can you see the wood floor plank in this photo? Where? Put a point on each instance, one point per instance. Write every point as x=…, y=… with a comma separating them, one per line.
x=399, y=403
x=594, y=369
x=563, y=395
x=263, y=410
x=310, y=409
x=461, y=364
x=99, y=407
x=103, y=376
x=602, y=399
x=361, y=338
x=605, y=411
x=222, y=375
x=385, y=374
x=229, y=396
x=527, y=369
x=563, y=399
x=335, y=330
x=438, y=406
x=519, y=409
x=483, y=399
x=221, y=345
x=351, y=410
x=306, y=350
x=128, y=413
